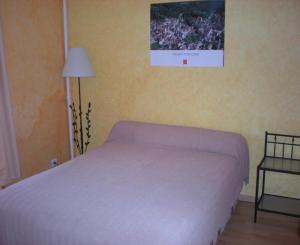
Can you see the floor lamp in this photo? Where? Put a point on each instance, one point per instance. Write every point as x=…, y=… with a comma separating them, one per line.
x=78, y=65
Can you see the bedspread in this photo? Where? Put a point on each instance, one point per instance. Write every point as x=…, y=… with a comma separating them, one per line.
x=128, y=191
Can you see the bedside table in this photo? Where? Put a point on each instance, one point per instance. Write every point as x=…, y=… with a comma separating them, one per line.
x=281, y=155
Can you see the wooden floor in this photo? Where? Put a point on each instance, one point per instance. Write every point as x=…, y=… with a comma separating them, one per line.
x=270, y=228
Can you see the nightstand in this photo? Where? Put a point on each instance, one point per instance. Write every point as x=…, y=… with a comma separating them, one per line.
x=281, y=155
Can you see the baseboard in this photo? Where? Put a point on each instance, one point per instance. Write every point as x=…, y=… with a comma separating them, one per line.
x=246, y=198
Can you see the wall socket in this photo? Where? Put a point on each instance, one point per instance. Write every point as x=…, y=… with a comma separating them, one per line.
x=54, y=163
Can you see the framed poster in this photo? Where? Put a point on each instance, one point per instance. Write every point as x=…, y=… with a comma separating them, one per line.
x=189, y=33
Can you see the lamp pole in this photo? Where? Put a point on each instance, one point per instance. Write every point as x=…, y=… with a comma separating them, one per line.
x=80, y=116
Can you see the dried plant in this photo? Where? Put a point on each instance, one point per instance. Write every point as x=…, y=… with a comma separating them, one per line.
x=89, y=125
x=81, y=145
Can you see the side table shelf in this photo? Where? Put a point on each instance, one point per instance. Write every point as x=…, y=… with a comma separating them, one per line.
x=280, y=205
x=280, y=155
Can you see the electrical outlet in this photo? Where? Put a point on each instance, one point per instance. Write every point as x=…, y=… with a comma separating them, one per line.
x=54, y=163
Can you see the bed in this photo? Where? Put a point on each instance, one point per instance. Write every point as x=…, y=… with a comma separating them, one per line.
x=147, y=184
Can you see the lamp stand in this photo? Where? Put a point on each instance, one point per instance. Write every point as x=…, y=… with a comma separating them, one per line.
x=81, y=146
x=80, y=117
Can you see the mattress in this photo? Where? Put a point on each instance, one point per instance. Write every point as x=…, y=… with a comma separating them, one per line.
x=148, y=184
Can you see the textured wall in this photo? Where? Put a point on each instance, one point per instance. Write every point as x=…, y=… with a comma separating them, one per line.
x=257, y=90
x=33, y=41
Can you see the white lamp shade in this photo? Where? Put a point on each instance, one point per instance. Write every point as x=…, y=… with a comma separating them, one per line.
x=78, y=64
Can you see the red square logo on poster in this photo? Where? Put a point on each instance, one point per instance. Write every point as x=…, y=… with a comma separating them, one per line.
x=184, y=62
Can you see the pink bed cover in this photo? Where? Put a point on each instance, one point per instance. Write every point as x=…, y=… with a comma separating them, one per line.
x=148, y=184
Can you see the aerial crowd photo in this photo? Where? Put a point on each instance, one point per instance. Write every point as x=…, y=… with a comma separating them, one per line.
x=192, y=25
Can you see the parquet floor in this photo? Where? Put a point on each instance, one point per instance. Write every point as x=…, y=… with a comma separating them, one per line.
x=270, y=228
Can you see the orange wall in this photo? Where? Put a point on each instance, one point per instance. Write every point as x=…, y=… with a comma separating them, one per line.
x=257, y=90
x=33, y=39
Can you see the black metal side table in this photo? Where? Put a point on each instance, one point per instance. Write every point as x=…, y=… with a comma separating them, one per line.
x=282, y=155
